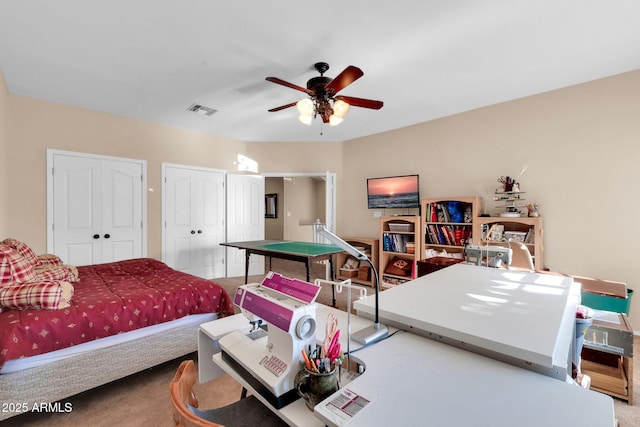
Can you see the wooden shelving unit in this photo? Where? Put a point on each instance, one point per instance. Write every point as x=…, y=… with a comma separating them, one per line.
x=362, y=274
x=400, y=240
x=444, y=231
x=607, y=356
x=610, y=374
x=523, y=226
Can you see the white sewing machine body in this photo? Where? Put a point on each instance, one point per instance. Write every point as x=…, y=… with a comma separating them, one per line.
x=273, y=356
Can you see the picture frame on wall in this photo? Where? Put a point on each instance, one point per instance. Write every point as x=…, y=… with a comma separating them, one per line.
x=271, y=205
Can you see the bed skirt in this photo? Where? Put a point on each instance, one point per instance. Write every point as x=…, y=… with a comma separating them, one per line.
x=64, y=378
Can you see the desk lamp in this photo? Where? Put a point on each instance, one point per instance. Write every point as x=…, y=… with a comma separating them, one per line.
x=375, y=332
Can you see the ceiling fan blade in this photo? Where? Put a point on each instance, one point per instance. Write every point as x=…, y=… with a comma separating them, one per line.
x=282, y=107
x=287, y=84
x=344, y=79
x=361, y=102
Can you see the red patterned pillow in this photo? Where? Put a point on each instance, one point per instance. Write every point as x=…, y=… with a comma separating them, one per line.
x=14, y=267
x=40, y=295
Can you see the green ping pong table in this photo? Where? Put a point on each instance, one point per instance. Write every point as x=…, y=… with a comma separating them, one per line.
x=304, y=252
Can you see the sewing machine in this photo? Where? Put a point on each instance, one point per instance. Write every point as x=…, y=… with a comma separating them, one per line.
x=282, y=312
x=488, y=255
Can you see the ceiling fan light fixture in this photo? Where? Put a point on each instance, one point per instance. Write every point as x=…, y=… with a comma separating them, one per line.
x=305, y=107
x=305, y=120
x=323, y=100
x=340, y=108
x=335, y=120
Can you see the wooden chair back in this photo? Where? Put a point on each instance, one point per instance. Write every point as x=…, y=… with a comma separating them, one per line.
x=181, y=390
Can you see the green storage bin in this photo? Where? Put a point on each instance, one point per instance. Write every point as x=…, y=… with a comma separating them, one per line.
x=608, y=303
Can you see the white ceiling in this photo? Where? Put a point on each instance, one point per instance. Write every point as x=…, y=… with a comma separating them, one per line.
x=151, y=59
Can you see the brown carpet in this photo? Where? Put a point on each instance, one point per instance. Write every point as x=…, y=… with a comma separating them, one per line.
x=143, y=399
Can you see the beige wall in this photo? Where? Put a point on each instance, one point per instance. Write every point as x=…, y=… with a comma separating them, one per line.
x=582, y=148
x=297, y=157
x=301, y=208
x=37, y=125
x=4, y=170
x=274, y=227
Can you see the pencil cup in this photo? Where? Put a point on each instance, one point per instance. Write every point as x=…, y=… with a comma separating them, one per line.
x=314, y=387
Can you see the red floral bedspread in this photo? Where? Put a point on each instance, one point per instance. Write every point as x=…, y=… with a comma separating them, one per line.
x=110, y=299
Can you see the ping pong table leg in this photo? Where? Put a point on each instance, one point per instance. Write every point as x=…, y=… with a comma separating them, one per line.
x=308, y=265
x=247, y=254
x=333, y=288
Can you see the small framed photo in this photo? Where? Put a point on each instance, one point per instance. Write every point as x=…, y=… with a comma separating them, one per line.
x=271, y=205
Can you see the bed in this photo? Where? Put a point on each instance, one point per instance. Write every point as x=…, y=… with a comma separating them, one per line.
x=122, y=318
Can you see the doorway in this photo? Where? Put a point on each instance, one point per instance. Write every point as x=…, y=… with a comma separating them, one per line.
x=302, y=199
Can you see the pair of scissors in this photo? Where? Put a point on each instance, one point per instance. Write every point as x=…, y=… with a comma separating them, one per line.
x=334, y=348
x=331, y=330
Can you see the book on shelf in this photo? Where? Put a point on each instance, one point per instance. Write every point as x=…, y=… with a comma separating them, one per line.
x=438, y=212
x=452, y=235
x=448, y=211
x=389, y=280
x=393, y=242
x=530, y=237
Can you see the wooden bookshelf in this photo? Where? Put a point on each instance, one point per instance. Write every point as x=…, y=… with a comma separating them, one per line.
x=362, y=273
x=400, y=240
x=448, y=222
x=529, y=229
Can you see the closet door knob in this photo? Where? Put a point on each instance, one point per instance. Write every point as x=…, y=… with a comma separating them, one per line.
x=96, y=236
x=199, y=231
x=106, y=236
x=193, y=231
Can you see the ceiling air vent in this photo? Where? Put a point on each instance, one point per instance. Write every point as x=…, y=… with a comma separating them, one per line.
x=201, y=109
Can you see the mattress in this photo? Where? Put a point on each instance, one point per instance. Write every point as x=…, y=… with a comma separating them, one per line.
x=17, y=365
x=109, y=300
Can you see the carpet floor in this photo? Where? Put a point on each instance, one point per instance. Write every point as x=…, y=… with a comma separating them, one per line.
x=142, y=399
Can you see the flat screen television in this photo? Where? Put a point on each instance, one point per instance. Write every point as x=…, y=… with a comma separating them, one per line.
x=393, y=192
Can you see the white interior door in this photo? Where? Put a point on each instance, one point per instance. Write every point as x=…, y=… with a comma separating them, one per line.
x=211, y=224
x=245, y=221
x=77, y=227
x=122, y=219
x=178, y=218
x=95, y=207
x=330, y=201
x=193, y=218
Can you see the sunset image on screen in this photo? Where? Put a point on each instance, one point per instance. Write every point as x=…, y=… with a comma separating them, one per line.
x=392, y=186
x=393, y=192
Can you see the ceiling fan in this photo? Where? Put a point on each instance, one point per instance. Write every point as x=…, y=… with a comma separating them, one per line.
x=323, y=100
